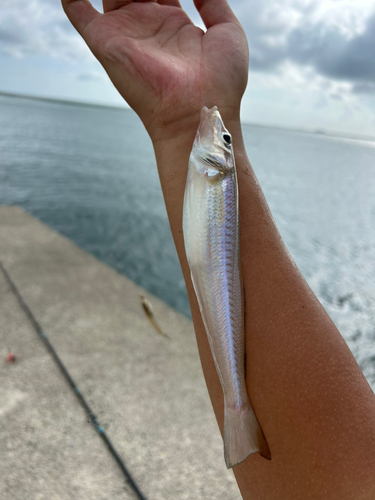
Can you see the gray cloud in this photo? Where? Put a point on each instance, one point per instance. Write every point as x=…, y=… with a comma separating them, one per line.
x=278, y=31
x=336, y=97
x=90, y=76
x=9, y=36
x=265, y=30
x=364, y=88
x=39, y=27
x=332, y=54
x=283, y=31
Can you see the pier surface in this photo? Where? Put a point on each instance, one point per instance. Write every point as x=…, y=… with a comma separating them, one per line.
x=148, y=392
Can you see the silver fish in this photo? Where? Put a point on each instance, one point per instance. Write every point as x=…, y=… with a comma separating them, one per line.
x=211, y=236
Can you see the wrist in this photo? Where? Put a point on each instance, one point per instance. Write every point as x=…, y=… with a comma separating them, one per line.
x=173, y=141
x=167, y=129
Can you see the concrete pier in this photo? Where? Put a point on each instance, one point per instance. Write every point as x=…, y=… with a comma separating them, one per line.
x=147, y=391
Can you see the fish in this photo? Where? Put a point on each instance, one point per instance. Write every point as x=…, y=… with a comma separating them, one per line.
x=149, y=312
x=211, y=231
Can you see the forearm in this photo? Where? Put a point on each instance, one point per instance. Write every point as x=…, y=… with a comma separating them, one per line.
x=312, y=401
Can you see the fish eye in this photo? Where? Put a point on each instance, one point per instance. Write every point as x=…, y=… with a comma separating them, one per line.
x=227, y=139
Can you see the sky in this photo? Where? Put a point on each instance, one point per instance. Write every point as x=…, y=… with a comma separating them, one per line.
x=312, y=62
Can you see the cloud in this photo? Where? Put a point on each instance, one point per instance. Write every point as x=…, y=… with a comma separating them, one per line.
x=268, y=26
x=333, y=38
x=364, y=88
x=90, y=76
x=332, y=54
x=336, y=39
x=39, y=27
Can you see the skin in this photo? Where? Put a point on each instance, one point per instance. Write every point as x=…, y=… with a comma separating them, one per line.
x=311, y=399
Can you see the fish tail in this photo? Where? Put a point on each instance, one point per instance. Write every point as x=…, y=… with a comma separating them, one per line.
x=242, y=435
x=158, y=329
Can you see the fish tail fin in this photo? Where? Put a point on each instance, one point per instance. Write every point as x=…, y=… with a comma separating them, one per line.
x=242, y=435
x=158, y=329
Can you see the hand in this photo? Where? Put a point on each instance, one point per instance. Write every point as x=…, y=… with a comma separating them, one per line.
x=161, y=63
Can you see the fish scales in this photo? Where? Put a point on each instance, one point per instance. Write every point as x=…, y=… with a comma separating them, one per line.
x=211, y=236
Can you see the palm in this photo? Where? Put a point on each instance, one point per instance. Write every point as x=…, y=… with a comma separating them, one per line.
x=159, y=61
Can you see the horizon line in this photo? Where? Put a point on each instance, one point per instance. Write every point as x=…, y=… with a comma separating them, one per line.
x=314, y=131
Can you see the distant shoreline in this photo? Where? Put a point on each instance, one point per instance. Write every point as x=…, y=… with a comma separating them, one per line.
x=62, y=101
x=316, y=132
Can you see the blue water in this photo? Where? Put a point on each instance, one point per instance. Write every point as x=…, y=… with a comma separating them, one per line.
x=90, y=173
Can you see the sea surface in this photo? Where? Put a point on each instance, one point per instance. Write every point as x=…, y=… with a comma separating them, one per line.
x=89, y=172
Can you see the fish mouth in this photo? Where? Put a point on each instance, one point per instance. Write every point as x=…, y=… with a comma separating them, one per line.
x=210, y=120
x=207, y=113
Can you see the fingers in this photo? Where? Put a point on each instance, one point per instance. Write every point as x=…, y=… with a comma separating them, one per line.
x=172, y=3
x=215, y=12
x=109, y=5
x=80, y=13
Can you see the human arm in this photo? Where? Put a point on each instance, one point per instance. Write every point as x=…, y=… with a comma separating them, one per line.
x=311, y=399
x=313, y=403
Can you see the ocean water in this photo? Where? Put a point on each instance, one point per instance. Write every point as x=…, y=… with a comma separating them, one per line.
x=89, y=172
